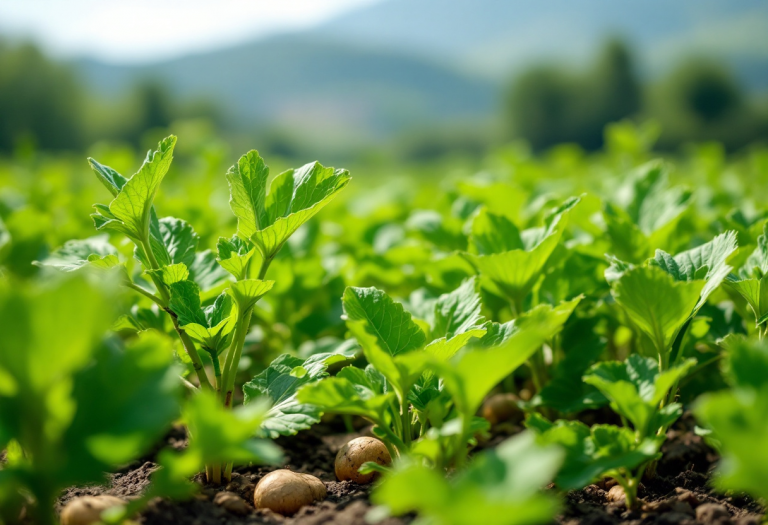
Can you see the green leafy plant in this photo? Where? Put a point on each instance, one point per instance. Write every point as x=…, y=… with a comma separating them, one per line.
x=597, y=452
x=511, y=261
x=662, y=297
x=500, y=486
x=210, y=313
x=750, y=282
x=411, y=386
x=639, y=393
x=737, y=419
x=646, y=214
x=72, y=404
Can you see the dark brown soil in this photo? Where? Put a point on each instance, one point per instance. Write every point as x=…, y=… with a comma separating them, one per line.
x=675, y=496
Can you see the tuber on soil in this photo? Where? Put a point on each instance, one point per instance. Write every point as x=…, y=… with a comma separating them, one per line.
x=87, y=509
x=285, y=492
x=499, y=408
x=358, y=451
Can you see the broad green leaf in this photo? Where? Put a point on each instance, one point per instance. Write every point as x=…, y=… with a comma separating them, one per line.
x=110, y=178
x=688, y=265
x=295, y=196
x=751, y=281
x=649, y=201
x=171, y=274
x=493, y=234
x=707, y=262
x=500, y=487
x=180, y=241
x=747, y=364
x=75, y=254
x=235, y=256
x=383, y=318
x=76, y=404
x=104, y=262
x=339, y=395
x=514, y=272
x=401, y=370
x=656, y=303
x=470, y=375
x=280, y=382
x=129, y=212
x=115, y=426
x=248, y=192
x=627, y=241
x=456, y=320
x=185, y=303
x=219, y=322
x=457, y=312
x=738, y=421
x=247, y=292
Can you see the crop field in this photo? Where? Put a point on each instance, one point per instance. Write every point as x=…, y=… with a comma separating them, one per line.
x=193, y=337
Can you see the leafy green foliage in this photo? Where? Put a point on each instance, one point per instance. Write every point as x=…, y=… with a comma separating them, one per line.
x=281, y=382
x=749, y=280
x=78, y=253
x=594, y=453
x=636, y=389
x=511, y=261
x=75, y=405
x=383, y=318
x=647, y=214
x=738, y=419
x=295, y=196
x=129, y=212
x=501, y=486
x=220, y=435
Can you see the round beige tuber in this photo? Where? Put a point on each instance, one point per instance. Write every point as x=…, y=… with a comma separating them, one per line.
x=358, y=451
x=285, y=492
x=499, y=408
x=86, y=510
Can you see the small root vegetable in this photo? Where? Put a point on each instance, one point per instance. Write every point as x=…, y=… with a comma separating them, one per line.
x=86, y=510
x=318, y=487
x=358, y=451
x=285, y=492
x=499, y=408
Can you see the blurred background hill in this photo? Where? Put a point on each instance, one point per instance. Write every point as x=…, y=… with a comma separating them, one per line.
x=415, y=79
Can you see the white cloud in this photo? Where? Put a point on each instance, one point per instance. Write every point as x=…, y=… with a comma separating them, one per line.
x=138, y=30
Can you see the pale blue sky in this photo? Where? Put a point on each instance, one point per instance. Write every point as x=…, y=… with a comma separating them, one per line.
x=138, y=30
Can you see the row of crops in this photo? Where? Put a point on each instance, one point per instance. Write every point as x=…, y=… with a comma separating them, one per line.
x=597, y=300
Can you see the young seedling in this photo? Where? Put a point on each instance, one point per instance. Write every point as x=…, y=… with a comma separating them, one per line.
x=637, y=391
x=662, y=297
x=598, y=452
x=410, y=387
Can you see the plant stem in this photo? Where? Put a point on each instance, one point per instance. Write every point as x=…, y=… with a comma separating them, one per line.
x=189, y=346
x=405, y=416
x=233, y=357
x=216, y=369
